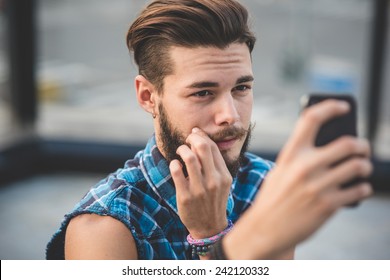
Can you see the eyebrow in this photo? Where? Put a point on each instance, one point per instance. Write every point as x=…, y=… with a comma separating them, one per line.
x=245, y=79
x=208, y=84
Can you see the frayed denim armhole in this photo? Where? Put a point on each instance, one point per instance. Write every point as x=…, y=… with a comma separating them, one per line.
x=55, y=249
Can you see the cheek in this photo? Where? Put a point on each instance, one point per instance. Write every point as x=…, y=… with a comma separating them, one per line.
x=245, y=110
x=201, y=117
x=183, y=118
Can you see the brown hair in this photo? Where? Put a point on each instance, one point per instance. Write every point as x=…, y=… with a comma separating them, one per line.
x=185, y=23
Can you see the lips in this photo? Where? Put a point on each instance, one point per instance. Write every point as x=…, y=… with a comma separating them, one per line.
x=226, y=144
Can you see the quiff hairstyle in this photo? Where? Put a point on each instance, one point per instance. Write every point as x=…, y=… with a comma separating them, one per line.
x=184, y=23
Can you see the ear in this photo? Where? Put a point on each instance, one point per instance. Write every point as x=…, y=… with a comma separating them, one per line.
x=146, y=94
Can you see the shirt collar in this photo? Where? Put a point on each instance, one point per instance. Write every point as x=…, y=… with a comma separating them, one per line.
x=156, y=171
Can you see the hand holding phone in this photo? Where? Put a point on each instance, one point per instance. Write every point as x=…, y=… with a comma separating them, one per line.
x=336, y=127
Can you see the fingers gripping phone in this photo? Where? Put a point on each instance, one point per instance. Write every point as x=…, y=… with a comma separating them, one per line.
x=336, y=127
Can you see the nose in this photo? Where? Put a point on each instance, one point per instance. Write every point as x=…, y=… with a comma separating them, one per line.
x=226, y=111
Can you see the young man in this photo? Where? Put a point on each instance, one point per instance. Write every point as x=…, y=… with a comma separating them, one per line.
x=194, y=179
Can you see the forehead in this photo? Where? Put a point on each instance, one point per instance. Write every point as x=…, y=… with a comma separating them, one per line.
x=208, y=62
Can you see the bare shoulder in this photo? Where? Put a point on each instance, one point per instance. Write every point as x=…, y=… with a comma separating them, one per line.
x=90, y=236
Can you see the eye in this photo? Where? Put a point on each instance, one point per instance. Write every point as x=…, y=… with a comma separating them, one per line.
x=242, y=88
x=202, y=93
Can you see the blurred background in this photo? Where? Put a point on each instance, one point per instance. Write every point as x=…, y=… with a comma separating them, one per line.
x=68, y=112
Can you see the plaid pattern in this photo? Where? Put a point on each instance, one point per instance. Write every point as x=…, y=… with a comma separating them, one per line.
x=142, y=196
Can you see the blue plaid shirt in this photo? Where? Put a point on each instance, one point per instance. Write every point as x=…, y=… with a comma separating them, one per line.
x=142, y=196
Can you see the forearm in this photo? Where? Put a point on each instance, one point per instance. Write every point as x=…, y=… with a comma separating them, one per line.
x=252, y=239
x=246, y=245
x=246, y=242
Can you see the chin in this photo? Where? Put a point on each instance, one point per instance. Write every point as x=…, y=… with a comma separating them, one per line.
x=230, y=156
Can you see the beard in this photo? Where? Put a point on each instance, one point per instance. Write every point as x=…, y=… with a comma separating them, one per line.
x=171, y=140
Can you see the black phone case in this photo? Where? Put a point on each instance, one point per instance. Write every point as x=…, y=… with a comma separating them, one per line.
x=337, y=127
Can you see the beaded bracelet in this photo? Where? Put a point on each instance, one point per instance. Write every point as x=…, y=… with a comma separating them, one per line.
x=217, y=252
x=200, y=250
x=201, y=247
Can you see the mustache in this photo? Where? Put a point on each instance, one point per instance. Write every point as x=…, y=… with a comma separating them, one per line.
x=230, y=132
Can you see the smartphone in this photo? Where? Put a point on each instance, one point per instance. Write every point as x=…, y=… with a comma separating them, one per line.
x=336, y=127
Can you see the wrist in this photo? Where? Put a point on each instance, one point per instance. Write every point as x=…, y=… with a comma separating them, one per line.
x=201, y=247
x=208, y=231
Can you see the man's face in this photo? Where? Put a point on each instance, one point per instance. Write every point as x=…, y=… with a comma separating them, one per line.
x=211, y=89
